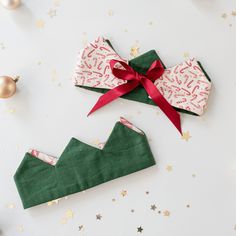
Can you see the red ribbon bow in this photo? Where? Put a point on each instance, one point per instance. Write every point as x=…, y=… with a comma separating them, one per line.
x=134, y=79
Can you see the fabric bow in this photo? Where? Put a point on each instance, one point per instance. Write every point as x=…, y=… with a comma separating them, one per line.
x=134, y=79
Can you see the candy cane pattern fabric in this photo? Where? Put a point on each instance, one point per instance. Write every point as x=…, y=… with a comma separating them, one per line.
x=93, y=68
x=185, y=86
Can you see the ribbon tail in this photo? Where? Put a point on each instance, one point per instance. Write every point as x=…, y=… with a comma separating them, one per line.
x=158, y=98
x=113, y=94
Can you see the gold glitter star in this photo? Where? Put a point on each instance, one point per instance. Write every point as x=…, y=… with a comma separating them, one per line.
x=166, y=213
x=40, y=24
x=81, y=227
x=98, y=216
x=69, y=214
x=123, y=193
x=224, y=15
x=63, y=220
x=50, y=203
x=52, y=13
x=56, y=3
x=20, y=228
x=153, y=207
x=233, y=13
x=110, y=12
x=134, y=51
x=186, y=136
x=186, y=55
x=169, y=168
x=139, y=229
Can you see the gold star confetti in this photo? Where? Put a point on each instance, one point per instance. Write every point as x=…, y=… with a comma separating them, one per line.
x=139, y=229
x=50, y=203
x=63, y=220
x=110, y=12
x=186, y=136
x=81, y=227
x=56, y=3
x=166, y=213
x=11, y=206
x=123, y=193
x=134, y=51
x=20, y=228
x=233, y=13
x=186, y=54
x=98, y=216
x=40, y=24
x=169, y=168
x=153, y=207
x=52, y=13
x=69, y=214
x=224, y=15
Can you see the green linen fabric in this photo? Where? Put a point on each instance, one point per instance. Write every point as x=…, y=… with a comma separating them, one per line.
x=141, y=64
x=82, y=166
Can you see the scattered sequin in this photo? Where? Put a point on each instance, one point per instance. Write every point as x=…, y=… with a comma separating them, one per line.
x=132, y=210
x=169, y=168
x=40, y=24
x=69, y=214
x=224, y=15
x=98, y=216
x=186, y=136
x=123, y=193
x=52, y=13
x=153, y=207
x=113, y=199
x=53, y=202
x=186, y=54
x=166, y=213
x=140, y=229
x=134, y=51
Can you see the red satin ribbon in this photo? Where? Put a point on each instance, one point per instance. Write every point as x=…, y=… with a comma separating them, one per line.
x=134, y=79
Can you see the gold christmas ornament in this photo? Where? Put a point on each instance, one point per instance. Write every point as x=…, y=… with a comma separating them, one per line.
x=10, y=4
x=7, y=86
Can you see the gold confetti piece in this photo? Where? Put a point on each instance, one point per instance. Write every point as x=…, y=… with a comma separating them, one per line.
x=166, y=213
x=186, y=54
x=125, y=30
x=147, y=192
x=81, y=227
x=39, y=63
x=139, y=229
x=40, y=24
x=54, y=75
x=11, y=110
x=153, y=207
x=193, y=175
x=132, y=210
x=123, y=193
x=56, y=201
x=52, y=13
x=233, y=13
x=110, y=12
x=113, y=199
x=20, y=228
x=98, y=216
x=188, y=206
x=186, y=136
x=63, y=221
x=11, y=205
x=56, y=3
x=169, y=168
x=69, y=214
x=224, y=15
x=134, y=51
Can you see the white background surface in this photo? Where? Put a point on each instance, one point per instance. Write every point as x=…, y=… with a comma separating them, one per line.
x=48, y=110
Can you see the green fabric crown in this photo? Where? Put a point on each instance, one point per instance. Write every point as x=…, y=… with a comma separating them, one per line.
x=82, y=166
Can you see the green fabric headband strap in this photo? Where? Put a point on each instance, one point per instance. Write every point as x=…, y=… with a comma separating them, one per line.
x=82, y=166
